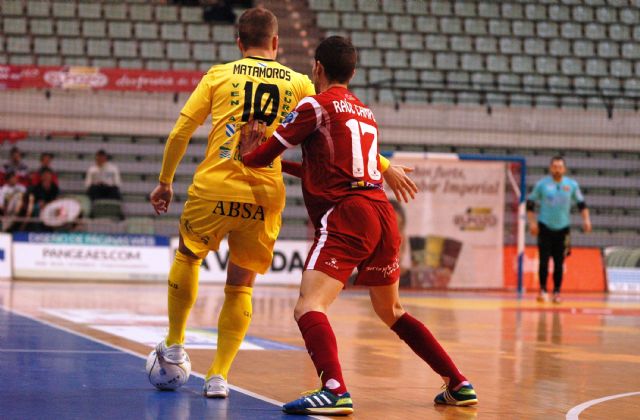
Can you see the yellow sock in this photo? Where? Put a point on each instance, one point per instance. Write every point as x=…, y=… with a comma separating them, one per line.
x=233, y=324
x=183, y=290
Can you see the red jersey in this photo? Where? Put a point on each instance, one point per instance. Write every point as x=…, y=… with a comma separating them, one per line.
x=339, y=138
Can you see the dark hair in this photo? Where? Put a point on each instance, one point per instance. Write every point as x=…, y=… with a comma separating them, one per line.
x=46, y=154
x=10, y=175
x=338, y=57
x=46, y=171
x=101, y=152
x=256, y=27
x=15, y=149
x=558, y=157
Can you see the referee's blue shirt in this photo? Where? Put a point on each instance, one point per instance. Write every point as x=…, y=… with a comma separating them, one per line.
x=555, y=200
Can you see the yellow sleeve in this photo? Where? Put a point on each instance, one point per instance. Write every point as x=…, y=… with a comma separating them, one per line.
x=198, y=106
x=175, y=147
x=306, y=87
x=384, y=163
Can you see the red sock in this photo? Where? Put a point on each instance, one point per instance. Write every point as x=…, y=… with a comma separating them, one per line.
x=425, y=345
x=323, y=349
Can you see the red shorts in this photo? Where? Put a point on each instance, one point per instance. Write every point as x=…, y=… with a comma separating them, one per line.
x=358, y=232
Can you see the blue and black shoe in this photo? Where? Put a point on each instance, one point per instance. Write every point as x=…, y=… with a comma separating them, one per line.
x=321, y=401
x=466, y=395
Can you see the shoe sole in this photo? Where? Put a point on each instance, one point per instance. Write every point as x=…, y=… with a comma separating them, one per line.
x=464, y=403
x=218, y=395
x=327, y=411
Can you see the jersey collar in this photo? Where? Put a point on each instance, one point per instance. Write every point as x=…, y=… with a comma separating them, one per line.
x=338, y=87
x=259, y=58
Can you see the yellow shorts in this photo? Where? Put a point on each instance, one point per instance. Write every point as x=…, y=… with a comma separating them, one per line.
x=252, y=230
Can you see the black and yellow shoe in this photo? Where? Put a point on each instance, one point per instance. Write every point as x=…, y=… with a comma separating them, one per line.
x=466, y=395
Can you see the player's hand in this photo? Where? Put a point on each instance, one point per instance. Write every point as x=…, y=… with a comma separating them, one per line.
x=586, y=226
x=402, y=186
x=534, y=229
x=251, y=136
x=161, y=197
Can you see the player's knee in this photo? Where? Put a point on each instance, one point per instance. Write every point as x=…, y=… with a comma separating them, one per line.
x=186, y=252
x=187, y=257
x=238, y=276
x=303, y=306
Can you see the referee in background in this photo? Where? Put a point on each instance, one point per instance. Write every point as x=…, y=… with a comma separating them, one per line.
x=554, y=193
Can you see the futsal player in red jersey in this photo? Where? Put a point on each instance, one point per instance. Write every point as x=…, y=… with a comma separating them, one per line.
x=355, y=226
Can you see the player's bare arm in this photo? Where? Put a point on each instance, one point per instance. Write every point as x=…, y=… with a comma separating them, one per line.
x=531, y=218
x=586, y=220
x=402, y=186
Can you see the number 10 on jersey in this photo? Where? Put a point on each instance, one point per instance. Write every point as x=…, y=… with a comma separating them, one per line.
x=266, y=112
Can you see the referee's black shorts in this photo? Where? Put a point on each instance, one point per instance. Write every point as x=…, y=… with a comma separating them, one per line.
x=554, y=242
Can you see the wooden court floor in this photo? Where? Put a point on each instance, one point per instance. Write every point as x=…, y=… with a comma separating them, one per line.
x=526, y=360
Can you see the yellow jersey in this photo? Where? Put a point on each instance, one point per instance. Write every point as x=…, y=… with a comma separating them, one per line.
x=233, y=93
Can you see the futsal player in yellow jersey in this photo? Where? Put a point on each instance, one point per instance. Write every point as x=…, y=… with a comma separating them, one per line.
x=226, y=199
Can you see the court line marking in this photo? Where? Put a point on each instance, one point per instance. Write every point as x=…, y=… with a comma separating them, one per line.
x=575, y=411
x=131, y=352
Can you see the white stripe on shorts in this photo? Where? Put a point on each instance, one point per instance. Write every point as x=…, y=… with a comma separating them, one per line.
x=323, y=238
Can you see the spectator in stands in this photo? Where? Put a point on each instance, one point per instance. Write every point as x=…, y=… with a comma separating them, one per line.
x=45, y=191
x=103, y=179
x=45, y=165
x=16, y=167
x=555, y=194
x=39, y=195
x=219, y=11
x=10, y=192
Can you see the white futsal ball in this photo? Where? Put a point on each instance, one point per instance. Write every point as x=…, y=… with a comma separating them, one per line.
x=167, y=376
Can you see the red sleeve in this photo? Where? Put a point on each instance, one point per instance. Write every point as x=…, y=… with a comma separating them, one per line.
x=292, y=168
x=300, y=123
x=264, y=154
